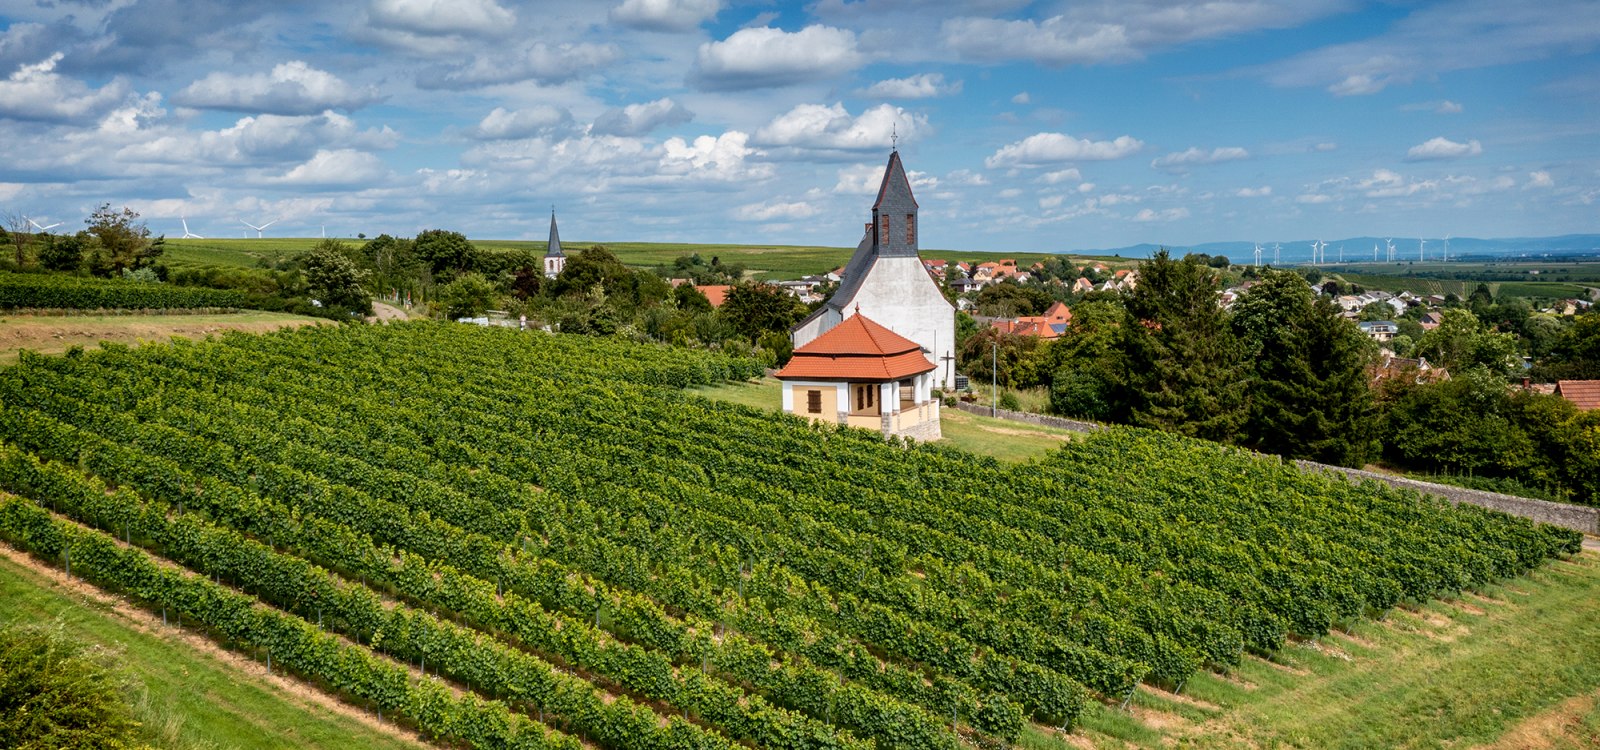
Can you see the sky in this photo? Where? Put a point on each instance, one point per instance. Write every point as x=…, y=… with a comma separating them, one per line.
x=1029, y=126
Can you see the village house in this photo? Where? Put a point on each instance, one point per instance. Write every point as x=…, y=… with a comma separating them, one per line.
x=861, y=374
x=1381, y=331
x=1584, y=394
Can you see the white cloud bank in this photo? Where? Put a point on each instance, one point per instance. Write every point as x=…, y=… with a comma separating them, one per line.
x=1043, y=149
x=291, y=88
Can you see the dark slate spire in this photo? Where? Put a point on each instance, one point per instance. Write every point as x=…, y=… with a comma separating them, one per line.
x=554, y=250
x=894, y=215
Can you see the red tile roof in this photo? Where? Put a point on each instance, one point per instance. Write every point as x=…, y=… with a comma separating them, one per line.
x=716, y=293
x=1058, y=313
x=1584, y=394
x=857, y=349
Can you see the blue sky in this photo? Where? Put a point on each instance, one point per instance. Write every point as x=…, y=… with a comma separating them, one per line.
x=1026, y=125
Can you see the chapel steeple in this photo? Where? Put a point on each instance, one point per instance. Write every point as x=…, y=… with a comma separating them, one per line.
x=554, y=260
x=894, y=215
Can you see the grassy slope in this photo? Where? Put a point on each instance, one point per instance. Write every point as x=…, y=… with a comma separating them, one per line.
x=1004, y=440
x=193, y=700
x=52, y=334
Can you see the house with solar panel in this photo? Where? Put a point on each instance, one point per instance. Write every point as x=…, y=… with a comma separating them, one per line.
x=886, y=281
x=861, y=374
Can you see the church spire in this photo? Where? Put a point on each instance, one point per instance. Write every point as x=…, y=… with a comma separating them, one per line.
x=894, y=215
x=554, y=249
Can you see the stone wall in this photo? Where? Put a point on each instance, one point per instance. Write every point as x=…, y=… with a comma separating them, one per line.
x=1576, y=517
x=1044, y=420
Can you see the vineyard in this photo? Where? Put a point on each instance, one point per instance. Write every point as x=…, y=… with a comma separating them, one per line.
x=520, y=540
x=31, y=291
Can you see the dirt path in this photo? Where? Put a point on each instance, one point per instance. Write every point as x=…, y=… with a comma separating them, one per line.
x=383, y=312
x=53, y=334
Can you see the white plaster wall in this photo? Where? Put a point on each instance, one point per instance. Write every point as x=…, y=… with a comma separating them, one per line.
x=898, y=294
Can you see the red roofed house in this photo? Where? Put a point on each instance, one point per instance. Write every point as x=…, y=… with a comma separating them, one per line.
x=862, y=374
x=1584, y=394
x=715, y=293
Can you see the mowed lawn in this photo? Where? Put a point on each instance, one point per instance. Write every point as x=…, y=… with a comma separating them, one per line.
x=187, y=698
x=998, y=438
x=54, y=334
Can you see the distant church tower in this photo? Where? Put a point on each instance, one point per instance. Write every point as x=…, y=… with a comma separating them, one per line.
x=886, y=281
x=554, y=261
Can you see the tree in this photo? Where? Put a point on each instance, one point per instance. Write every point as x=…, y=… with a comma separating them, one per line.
x=753, y=309
x=444, y=251
x=1461, y=341
x=64, y=252
x=57, y=693
x=1009, y=299
x=1309, y=396
x=1575, y=355
x=1082, y=362
x=590, y=267
x=468, y=296
x=1376, y=311
x=335, y=279
x=1182, y=368
x=690, y=299
x=18, y=236
x=993, y=354
x=123, y=239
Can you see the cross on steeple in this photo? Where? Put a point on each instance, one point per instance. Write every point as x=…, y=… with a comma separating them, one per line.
x=894, y=137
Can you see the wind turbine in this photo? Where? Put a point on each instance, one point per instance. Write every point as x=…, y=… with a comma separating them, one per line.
x=1258, y=253
x=43, y=229
x=1447, y=248
x=1276, y=248
x=1422, y=250
x=1390, y=243
x=188, y=235
x=258, y=229
x=1374, y=252
x=1341, y=253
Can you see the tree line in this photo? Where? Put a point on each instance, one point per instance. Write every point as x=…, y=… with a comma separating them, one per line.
x=1282, y=372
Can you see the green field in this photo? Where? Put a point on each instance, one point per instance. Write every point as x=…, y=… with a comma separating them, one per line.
x=1424, y=286
x=767, y=262
x=187, y=698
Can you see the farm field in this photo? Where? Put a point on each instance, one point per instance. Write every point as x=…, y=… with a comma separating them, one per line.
x=54, y=334
x=1441, y=287
x=774, y=262
x=516, y=539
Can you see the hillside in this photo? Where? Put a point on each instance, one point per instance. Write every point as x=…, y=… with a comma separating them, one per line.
x=424, y=518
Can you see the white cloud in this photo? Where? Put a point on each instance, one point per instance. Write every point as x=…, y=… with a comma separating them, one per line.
x=639, y=119
x=1021, y=98
x=766, y=57
x=1443, y=148
x=1260, y=192
x=340, y=168
x=864, y=179
x=1166, y=214
x=1051, y=201
x=544, y=63
x=1192, y=157
x=966, y=177
x=770, y=211
x=292, y=88
x=1438, y=38
x=442, y=17
x=37, y=92
x=1325, y=147
x=1117, y=31
x=665, y=15
x=1313, y=198
x=1070, y=174
x=922, y=86
x=260, y=140
x=1539, y=179
x=1386, y=183
x=540, y=119
x=815, y=127
x=720, y=158
x=1054, y=148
